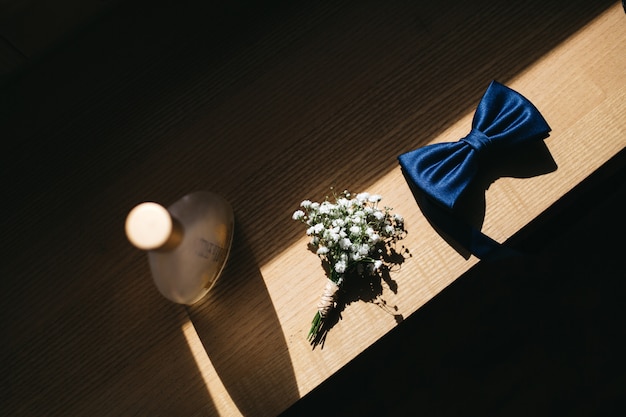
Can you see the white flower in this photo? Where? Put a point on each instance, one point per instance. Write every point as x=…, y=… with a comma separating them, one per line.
x=298, y=214
x=338, y=222
x=322, y=250
x=306, y=204
x=355, y=256
x=340, y=266
x=331, y=236
x=326, y=207
x=345, y=243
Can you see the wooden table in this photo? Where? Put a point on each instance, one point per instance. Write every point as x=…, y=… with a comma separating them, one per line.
x=267, y=105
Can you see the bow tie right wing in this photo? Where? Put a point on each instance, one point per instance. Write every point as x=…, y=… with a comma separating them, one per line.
x=508, y=118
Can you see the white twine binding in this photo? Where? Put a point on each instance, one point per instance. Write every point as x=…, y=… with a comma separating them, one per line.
x=328, y=301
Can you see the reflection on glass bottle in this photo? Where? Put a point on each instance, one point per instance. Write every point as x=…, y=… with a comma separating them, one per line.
x=187, y=243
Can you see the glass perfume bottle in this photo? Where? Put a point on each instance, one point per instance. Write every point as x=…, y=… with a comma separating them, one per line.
x=187, y=243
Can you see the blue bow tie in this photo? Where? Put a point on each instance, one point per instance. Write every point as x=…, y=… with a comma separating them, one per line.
x=444, y=171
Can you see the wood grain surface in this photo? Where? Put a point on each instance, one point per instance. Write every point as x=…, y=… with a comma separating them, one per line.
x=267, y=104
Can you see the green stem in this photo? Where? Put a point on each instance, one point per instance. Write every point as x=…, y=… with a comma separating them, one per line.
x=315, y=326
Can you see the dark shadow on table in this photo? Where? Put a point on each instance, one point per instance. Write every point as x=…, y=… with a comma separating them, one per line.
x=242, y=335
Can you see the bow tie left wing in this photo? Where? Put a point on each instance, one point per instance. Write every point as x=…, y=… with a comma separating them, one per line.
x=442, y=170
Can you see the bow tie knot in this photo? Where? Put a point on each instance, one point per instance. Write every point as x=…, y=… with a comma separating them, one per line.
x=477, y=140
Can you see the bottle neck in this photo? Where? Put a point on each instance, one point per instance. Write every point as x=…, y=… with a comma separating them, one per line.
x=174, y=239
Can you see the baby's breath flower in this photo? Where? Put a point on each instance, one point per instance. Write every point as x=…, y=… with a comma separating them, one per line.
x=349, y=233
x=322, y=250
x=340, y=266
x=298, y=214
x=326, y=207
x=338, y=222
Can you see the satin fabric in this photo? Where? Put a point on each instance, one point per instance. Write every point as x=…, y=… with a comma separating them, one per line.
x=503, y=118
x=443, y=172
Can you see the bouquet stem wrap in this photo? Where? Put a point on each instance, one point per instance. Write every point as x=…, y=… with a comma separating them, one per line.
x=328, y=300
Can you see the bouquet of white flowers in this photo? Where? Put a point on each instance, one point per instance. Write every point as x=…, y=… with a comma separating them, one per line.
x=349, y=235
